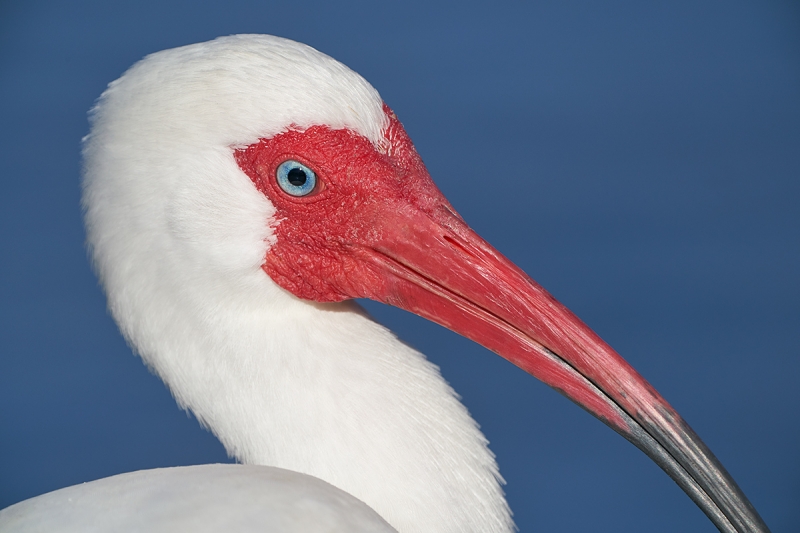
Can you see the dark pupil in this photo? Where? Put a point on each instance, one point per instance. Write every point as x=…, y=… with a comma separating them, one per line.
x=297, y=177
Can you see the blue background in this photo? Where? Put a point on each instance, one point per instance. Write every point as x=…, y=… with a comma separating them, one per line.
x=639, y=159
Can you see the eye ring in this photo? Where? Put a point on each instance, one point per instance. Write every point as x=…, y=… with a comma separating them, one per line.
x=296, y=179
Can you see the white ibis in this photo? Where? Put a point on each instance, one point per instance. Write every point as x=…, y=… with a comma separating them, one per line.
x=238, y=193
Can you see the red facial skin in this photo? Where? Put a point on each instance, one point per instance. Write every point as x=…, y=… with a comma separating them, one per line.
x=377, y=227
x=317, y=240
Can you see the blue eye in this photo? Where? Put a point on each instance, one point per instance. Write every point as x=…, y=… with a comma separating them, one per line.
x=295, y=178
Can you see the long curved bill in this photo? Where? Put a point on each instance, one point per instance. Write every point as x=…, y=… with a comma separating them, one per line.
x=434, y=265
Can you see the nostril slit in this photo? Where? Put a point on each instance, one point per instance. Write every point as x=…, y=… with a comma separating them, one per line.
x=458, y=245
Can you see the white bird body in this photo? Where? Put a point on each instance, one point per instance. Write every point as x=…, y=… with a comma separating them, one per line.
x=229, y=283
x=200, y=499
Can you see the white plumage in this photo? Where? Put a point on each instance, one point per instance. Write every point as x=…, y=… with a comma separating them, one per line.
x=200, y=499
x=178, y=234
